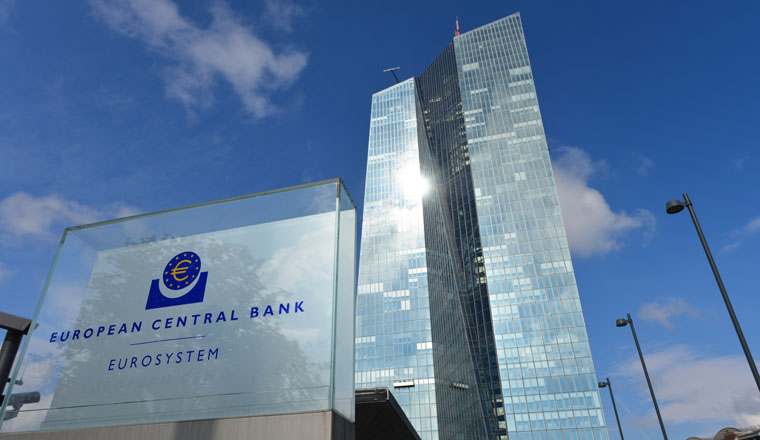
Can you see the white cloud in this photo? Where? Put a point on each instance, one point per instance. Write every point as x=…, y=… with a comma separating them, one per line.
x=661, y=310
x=738, y=163
x=5, y=10
x=644, y=164
x=63, y=303
x=227, y=49
x=593, y=228
x=281, y=13
x=25, y=216
x=753, y=226
x=41, y=373
x=695, y=389
x=746, y=232
x=309, y=260
x=5, y=272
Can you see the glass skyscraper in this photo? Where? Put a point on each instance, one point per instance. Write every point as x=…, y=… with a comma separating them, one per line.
x=467, y=303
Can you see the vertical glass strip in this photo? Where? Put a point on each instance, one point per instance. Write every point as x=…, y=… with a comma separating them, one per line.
x=336, y=261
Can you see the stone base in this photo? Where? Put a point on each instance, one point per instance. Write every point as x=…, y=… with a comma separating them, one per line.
x=324, y=425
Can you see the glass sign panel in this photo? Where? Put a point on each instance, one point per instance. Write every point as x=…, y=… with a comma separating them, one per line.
x=217, y=318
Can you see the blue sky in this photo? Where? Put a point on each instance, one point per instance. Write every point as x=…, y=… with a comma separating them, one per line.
x=105, y=105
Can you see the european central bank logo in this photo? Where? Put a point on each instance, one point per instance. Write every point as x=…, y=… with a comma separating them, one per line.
x=181, y=275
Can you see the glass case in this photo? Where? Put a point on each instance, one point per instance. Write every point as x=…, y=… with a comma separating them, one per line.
x=232, y=308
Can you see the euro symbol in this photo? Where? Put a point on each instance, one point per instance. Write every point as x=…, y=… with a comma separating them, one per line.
x=179, y=270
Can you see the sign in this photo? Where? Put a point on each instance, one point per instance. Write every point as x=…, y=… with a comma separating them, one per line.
x=225, y=323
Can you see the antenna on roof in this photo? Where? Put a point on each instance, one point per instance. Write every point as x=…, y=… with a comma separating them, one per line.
x=391, y=70
x=456, y=32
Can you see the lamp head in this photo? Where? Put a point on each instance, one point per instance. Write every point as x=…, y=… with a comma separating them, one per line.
x=674, y=206
x=602, y=384
x=622, y=322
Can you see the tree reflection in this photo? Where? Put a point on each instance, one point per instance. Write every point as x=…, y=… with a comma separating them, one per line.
x=258, y=364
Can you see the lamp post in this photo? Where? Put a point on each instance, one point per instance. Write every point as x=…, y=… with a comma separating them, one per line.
x=622, y=322
x=608, y=385
x=676, y=206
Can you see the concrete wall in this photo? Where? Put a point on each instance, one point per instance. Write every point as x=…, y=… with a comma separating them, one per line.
x=307, y=426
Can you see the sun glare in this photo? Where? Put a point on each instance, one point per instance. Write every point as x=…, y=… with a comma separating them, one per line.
x=413, y=184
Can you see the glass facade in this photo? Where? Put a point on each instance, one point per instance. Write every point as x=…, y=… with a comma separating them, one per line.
x=439, y=92
x=463, y=240
x=233, y=308
x=409, y=334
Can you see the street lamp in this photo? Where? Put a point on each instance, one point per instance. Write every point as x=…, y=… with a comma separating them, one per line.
x=16, y=327
x=608, y=385
x=676, y=206
x=622, y=322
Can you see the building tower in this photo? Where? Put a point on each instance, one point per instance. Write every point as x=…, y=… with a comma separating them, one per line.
x=467, y=303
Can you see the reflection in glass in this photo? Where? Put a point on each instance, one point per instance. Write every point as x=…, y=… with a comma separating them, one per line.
x=258, y=337
x=488, y=230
